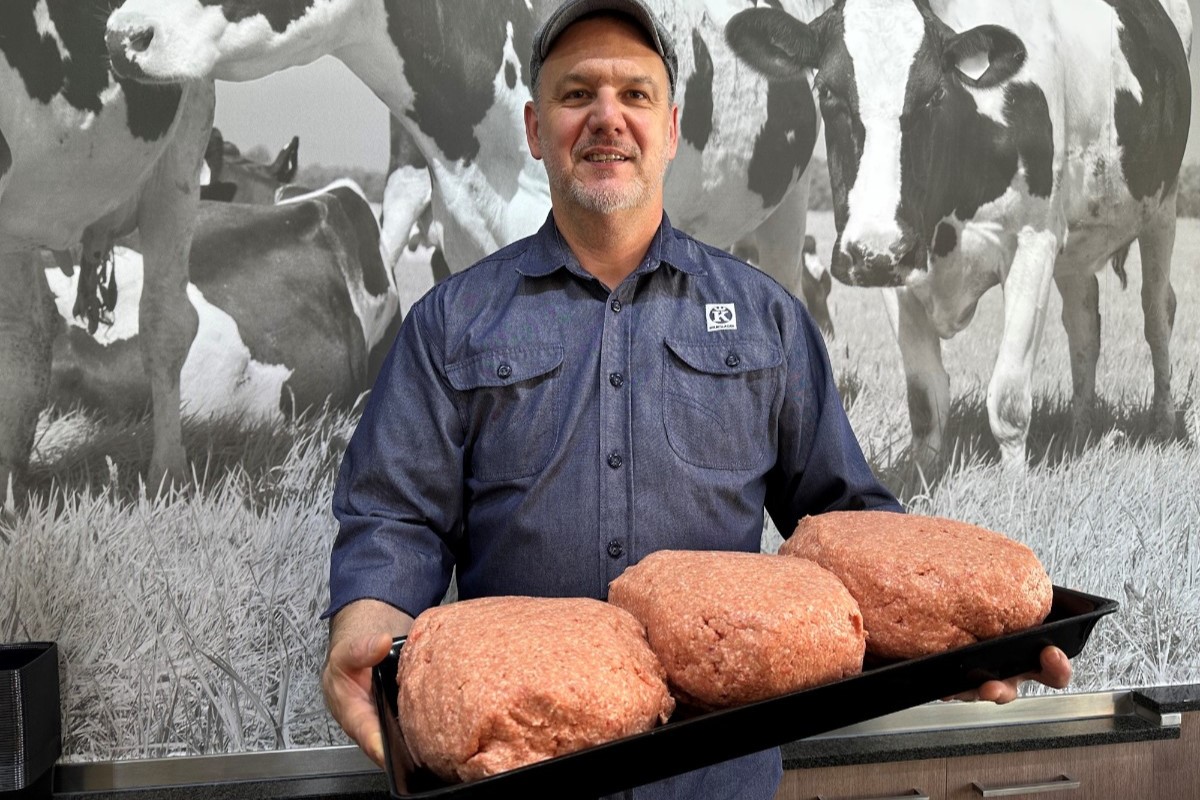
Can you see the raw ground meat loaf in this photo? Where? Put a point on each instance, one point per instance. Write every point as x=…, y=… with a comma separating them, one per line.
x=731, y=628
x=492, y=684
x=926, y=584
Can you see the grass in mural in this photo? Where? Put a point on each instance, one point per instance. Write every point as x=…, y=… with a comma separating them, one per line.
x=188, y=620
x=1117, y=521
x=969, y=438
x=75, y=452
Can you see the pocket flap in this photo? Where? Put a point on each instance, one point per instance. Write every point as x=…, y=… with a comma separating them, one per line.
x=504, y=367
x=727, y=356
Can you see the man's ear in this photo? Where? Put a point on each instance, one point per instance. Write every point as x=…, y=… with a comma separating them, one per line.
x=531, y=130
x=984, y=57
x=673, y=133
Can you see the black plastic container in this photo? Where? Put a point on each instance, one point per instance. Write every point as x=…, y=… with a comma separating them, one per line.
x=30, y=727
x=692, y=739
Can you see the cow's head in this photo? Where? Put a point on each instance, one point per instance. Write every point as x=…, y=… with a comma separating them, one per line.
x=234, y=177
x=895, y=85
x=173, y=41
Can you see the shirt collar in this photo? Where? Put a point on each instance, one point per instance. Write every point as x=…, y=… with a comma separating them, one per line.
x=548, y=253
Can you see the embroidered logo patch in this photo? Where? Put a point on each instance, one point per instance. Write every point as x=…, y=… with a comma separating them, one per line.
x=720, y=317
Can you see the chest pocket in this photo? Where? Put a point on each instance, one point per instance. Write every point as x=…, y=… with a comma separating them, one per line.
x=717, y=400
x=512, y=409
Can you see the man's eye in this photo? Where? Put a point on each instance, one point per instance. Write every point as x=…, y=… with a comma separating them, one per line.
x=639, y=95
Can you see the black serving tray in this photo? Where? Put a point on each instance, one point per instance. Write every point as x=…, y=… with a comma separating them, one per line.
x=692, y=739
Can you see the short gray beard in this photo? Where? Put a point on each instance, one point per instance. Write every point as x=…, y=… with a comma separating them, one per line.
x=606, y=200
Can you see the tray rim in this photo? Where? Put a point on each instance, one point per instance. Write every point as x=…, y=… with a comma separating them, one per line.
x=1085, y=621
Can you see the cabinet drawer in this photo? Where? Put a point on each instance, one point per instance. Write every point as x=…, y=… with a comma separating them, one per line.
x=1177, y=762
x=1105, y=772
x=899, y=779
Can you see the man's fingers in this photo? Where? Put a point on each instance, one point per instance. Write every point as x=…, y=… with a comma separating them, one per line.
x=347, y=683
x=1056, y=668
x=360, y=637
x=1000, y=691
x=363, y=727
x=365, y=652
x=373, y=747
x=354, y=709
x=1055, y=673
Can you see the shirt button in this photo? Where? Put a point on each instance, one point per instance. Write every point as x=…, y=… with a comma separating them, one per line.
x=503, y=371
x=732, y=360
x=615, y=305
x=615, y=461
x=616, y=379
x=615, y=549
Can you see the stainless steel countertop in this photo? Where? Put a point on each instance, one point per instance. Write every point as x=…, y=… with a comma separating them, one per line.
x=349, y=761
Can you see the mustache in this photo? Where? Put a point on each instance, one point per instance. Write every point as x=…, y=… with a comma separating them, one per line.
x=626, y=149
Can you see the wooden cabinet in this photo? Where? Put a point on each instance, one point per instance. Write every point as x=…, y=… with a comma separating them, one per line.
x=1166, y=769
x=1078, y=773
x=909, y=779
x=1177, y=763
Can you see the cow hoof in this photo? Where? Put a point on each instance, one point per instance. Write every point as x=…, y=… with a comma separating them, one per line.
x=1080, y=438
x=917, y=470
x=1166, y=423
x=927, y=457
x=1012, y=458
x=162, y=479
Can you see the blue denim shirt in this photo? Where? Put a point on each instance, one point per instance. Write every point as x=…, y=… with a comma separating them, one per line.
x=541, y=433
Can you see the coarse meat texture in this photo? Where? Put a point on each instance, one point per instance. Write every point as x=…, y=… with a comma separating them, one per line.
x=926, y=584
x=732, y=628
x=492, y=684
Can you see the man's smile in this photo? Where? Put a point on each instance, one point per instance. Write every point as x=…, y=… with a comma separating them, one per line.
x=607, y=153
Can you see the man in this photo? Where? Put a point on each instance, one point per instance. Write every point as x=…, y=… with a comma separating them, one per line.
x=603, y=389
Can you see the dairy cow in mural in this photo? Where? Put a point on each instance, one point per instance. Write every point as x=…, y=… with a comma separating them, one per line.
x=817, y=284
x=85, y=157
x=453, y=75
x=296, y=307
x=232, y=177
x=1010, y=142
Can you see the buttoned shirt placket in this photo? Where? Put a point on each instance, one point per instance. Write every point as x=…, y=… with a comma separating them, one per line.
x=616, y=432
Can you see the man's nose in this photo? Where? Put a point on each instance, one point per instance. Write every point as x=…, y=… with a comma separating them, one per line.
x=606, y=113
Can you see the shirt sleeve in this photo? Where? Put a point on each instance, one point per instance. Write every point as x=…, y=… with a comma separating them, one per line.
x=820, y=465
x=399, y=493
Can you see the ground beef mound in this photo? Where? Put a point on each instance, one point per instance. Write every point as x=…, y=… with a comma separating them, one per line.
x=496, y=683
x=731, y=628
x=926, y=584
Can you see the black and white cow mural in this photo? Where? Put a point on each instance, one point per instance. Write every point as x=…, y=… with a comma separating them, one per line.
x=971, y=171
x=979, y=149
x=293, y=302
x=89, y=157
x=740, y=174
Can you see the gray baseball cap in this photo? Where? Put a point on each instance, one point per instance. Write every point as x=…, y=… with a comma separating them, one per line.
x=570, y=11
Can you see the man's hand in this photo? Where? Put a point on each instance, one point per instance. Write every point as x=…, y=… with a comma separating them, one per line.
x=1055, y=672
x=360, y=637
